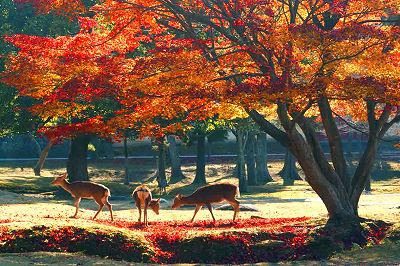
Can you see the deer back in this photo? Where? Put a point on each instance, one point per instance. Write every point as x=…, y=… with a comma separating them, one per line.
x=86, y=189
x=212, y=193
x=142, y=194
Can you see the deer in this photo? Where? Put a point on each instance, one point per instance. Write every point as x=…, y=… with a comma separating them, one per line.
x=143, y=200
x=210, y=194
x=87, y=190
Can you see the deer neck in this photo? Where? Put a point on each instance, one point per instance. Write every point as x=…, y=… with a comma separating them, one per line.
x=189, y=199
x=67, y=186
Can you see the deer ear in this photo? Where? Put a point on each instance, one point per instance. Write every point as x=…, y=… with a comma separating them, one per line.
x=179, y=196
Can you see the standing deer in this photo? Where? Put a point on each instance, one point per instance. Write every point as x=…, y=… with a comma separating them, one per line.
x=85, y=189
x=143, y=200
x=210, y=194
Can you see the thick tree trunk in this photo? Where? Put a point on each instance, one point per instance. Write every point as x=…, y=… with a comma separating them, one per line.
x=176, y=169
x=77, y=158
x=250, y=159
x=319, y=173
x=339, y=191
x=161, y=176
x=126, y=163
x=43, y=155
x=241, y=167
x=200, y=177
x=289, y=171
x=263, y=175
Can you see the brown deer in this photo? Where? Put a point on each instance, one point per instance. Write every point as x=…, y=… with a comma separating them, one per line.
x=210, y=194
x=87, y=190
x=143, y=200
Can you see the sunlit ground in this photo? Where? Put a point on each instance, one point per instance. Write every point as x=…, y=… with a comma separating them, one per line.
x=271, y=200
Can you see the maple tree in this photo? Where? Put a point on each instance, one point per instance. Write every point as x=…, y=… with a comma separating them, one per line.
x=169, y=62
x=305, y=56
x=89, y=84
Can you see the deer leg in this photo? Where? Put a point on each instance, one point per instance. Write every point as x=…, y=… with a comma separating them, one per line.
x=76, y=203
x=198, y=207
x=235, y=204
x=101, y=205
x=109, y=206
x=140, y=213
x=145, y=214
x=210, y=209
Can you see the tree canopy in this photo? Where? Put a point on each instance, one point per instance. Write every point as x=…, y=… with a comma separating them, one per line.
x=162, y=63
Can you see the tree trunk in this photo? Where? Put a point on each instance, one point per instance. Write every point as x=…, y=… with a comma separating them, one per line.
x=37, y=145
x=126, y=163
x=320, y=174
x=43, y=155
x=368, y=188
x=77, y=158
x=176, y=169
x=161, y=176
x=241, y=167
x=289, y=171
x=200, y=177
x=263, y=175
x=250, y=159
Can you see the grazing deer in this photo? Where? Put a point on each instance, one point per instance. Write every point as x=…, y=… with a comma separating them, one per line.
x=210, y=194
x=143, y=200
x=87, y=190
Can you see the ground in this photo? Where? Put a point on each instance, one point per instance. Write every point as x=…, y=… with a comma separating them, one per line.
x=34, y=204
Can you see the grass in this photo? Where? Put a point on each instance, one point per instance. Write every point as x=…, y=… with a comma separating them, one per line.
x=34, y=204
x=386, y=254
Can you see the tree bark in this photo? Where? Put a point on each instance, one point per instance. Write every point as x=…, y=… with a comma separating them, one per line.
x=250, y=159
x=43, y=155
x=368, y=188
x=161, y=176
x=319, y=173
x=200, y=177
x=241, y=167
x=263, y=175
x=176, y=169
x=37, y=145
x=77, y=158
x=289, y=171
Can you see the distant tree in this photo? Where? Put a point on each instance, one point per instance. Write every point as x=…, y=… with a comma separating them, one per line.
x=289, y=171
x=250, y=158
x=263, y=175
x=176, y=169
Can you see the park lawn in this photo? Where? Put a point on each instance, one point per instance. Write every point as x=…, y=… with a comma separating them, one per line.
x=19, y=178
x=35, y=206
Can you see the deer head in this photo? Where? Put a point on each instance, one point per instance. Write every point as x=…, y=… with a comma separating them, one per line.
x=155, y=205
x=59, y=180
x=177, y=201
